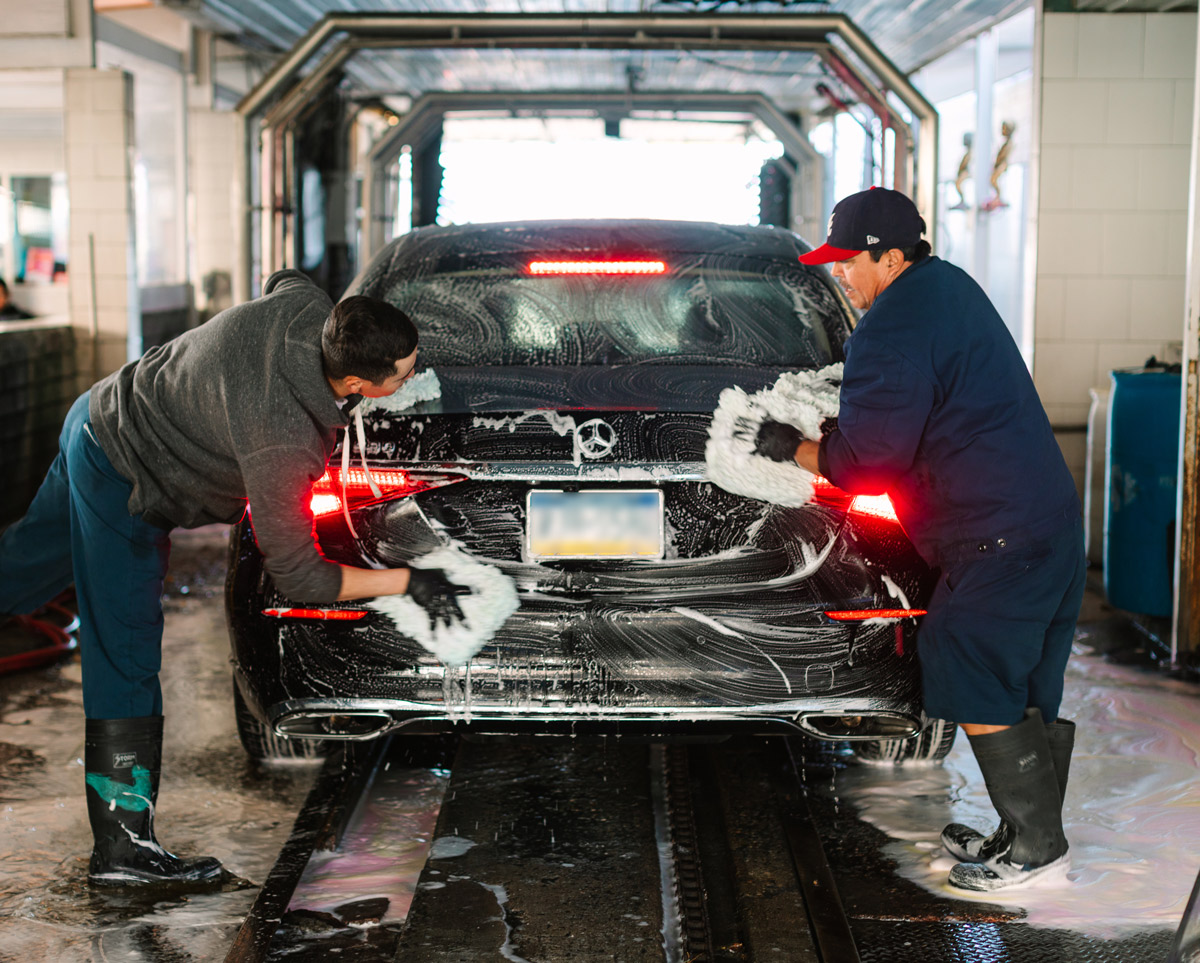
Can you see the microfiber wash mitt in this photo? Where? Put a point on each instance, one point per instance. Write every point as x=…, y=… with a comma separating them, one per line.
x=802, y=399
x=492, y=599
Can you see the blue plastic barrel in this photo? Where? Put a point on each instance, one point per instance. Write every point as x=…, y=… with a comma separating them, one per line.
x=1140, y=469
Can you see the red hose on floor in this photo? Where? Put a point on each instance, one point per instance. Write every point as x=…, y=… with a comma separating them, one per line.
x=61, y=642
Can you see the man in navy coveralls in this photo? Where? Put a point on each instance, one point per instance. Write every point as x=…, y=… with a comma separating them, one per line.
x=939, y=411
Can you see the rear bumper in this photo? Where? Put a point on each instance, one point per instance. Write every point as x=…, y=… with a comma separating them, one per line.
x=357, y=720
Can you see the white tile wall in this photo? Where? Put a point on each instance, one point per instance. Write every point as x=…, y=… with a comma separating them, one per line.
x=1141, y=112
x=1160, y=171
x=1112, y=210
x=1135, y=243
x=1157, y=309
x=1112, y=46
x=1181, y=126
x=1103, y=180
x=1074, y=111
x=214, y=173
x=1050, y=307
x=1097, y=308
x=97, y=135
x=1059, y=44
x=1170, y=51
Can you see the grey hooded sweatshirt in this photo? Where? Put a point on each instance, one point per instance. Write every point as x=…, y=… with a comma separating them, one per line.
x=235, y=410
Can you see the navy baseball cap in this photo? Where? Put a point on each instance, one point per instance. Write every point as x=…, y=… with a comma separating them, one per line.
x=878, y=219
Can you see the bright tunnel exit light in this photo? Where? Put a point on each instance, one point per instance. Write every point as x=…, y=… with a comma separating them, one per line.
x=596, y=267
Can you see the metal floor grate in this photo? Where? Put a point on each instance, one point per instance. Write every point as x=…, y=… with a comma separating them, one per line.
x=938, y=942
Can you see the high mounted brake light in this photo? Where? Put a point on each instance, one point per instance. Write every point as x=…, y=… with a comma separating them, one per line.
x=597, y=267
x=326, y=496
x=876, y=506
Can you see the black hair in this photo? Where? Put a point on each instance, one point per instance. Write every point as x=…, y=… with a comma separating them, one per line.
x=915, y=253
x=3, y=286
x=364, y=338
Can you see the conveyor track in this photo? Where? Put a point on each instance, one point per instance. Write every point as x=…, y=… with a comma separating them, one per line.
x=556, y=856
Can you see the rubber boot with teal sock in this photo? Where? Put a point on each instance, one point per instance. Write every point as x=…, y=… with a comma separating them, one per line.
x=123, y=760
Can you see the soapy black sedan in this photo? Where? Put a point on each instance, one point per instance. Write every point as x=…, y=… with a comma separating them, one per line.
x=579, y=364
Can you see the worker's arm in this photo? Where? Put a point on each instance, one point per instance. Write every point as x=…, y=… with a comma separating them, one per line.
x=807, y=456
x=428, y=587
x=366, y=583
x=885, y=402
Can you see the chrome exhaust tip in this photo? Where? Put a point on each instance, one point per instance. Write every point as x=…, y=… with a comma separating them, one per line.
x=334, y=725
x=851, y=727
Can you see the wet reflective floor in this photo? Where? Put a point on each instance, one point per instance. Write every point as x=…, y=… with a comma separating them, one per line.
x=1132, y=811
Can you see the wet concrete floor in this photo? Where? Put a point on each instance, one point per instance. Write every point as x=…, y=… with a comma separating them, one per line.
x=1132, y=810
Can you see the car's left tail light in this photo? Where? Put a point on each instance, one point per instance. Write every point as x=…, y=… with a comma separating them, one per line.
x=876, y=506
x=393, y=483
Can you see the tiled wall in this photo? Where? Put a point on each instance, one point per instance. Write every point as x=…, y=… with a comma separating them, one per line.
x=98, y=131
x=215, y=171
x=1116, y=121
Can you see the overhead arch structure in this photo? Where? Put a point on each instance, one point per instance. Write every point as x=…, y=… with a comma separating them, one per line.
x=397, y=44
x=424, y=121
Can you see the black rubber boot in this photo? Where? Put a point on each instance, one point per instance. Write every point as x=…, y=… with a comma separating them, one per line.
x=971, y=846
x=123, y=759
x=1023, y=786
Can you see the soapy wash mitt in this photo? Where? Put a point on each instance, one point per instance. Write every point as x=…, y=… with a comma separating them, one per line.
x=492, y=599
x=803, y=399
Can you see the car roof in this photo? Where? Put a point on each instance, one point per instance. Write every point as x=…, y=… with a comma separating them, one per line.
x=601, y=237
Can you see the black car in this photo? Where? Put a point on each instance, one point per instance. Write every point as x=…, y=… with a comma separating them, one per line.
x=582, y=362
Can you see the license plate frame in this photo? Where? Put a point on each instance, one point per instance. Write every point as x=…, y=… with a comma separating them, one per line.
x=634, y=519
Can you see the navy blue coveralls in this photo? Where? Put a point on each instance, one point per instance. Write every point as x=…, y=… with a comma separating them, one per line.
x=939, y=411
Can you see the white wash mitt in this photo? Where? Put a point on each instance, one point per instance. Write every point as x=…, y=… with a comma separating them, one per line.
x=492, y=599
x=802, y=399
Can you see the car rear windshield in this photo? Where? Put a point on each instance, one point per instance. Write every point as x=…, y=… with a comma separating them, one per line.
x=700, y=310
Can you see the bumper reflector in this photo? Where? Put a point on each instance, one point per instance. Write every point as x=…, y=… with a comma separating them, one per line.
x=343, y=615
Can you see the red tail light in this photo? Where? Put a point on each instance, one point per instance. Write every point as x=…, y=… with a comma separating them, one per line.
x=877, y=506
x=335, y=615
x=862, y=615
x=597, y=267
x=327, y=491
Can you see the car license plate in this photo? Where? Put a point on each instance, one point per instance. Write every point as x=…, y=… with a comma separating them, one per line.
x=594, y=524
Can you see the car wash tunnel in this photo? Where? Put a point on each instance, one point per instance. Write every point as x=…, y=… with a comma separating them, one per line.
x=582, y=519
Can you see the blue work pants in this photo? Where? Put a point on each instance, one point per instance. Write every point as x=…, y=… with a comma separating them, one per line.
x=79, y=529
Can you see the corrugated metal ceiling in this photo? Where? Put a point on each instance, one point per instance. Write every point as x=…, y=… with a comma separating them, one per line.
x=909, y=33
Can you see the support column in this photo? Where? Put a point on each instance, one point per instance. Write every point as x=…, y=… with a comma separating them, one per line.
x=215, y=177
x=103, y=293
x=1185, y=634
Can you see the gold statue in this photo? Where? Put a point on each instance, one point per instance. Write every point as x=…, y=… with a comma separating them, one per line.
x=964, y=171
x=999, y=166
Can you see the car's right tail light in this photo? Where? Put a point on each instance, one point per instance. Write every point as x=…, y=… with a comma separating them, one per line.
x=393, y=483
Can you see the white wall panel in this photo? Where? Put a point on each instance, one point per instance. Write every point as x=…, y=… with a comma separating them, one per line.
x=1116, y=147
x=1111, y=46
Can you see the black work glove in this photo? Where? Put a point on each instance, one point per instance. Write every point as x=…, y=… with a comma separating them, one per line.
x=436, y=594
x=777, y=441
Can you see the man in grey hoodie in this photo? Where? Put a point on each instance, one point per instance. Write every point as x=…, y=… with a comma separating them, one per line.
x=241, y=412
